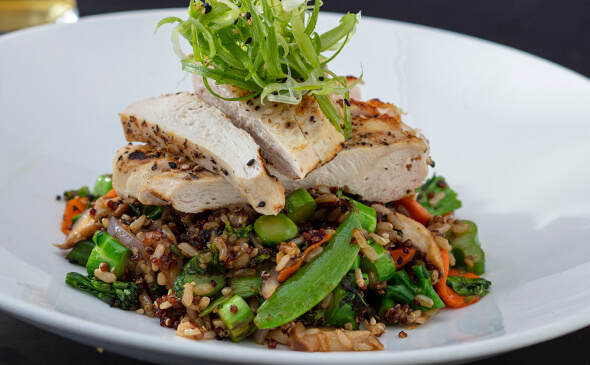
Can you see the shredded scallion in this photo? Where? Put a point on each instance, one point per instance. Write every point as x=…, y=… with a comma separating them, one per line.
x=269, y=47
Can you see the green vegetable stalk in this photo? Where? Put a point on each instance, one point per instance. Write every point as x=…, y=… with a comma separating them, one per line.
x=238, y=318
x=383, y=268
x=80, y=253
x=314, y=281
x=300, y=205
x=274, y=229
x=108, y=250
x=118, y=294
x=104, y=184
x=268, y=47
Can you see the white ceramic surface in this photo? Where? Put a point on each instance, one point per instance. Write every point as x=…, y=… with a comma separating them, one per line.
x=511, y=132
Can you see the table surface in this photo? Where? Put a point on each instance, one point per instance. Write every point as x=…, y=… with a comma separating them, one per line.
x=556, y=30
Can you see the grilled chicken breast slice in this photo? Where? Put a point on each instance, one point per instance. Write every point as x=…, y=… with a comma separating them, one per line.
x=185, y=124
x=422, y=241
x=155, y=177
x=383, y=161
x=294, y=138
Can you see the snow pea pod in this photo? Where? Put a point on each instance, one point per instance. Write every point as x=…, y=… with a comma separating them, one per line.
x=467, y=250
x=310, y=284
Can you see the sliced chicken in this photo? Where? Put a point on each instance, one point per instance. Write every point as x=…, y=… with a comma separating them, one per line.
x=184, y=124
x=383, y=161
x=334, y=339
x=133, y=165
x=422, y=241
x=202, y=192
x=294, y=138
x=155, y=177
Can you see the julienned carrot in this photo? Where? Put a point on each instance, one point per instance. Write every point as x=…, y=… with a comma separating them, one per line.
x=447, y=294
x=73, y=208
x=287, y=272
x=111, y=194
x=398, y=254
x=417, y=211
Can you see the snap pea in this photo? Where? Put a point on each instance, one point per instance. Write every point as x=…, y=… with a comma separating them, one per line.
x=310, y=284
x=425, y=284
x=467, y=250
x=274, y=229
x=300, y=205
x=356, y=263
x=367, y=216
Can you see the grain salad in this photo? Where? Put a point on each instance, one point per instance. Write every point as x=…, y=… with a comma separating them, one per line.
x=272, y=205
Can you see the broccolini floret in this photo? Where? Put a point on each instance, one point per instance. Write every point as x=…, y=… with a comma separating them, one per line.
x=118, y=294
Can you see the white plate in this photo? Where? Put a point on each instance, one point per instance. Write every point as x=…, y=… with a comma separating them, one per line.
x=509, y=131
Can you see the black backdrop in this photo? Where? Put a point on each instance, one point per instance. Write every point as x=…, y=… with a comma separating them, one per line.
x=558, y=30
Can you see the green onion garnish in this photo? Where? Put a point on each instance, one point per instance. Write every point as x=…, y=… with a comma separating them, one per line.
x=269, y=47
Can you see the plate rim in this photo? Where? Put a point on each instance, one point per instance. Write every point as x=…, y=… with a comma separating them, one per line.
x=477, y=348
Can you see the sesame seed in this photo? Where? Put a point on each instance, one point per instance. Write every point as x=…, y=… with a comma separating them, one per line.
x=251, y=162
x=261, y=204
x=172, y=164
x=248, y=40
x=321, y=78
x=347, y=102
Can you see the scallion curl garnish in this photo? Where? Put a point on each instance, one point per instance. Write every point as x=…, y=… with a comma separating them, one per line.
x=269, y=47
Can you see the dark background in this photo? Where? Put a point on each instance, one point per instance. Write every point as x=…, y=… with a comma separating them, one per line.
x=558, y=30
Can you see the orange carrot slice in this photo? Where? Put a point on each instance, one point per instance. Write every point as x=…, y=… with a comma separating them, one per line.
x=288, y=271
x=398, y=254
x=73, y=208
x=417, y=211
